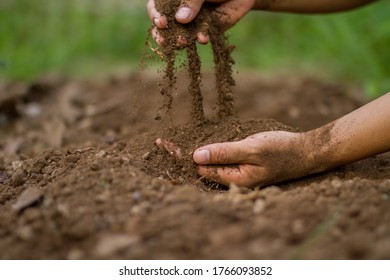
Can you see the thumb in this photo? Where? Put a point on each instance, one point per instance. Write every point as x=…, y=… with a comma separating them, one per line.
x=222, y=153
x=188, y=10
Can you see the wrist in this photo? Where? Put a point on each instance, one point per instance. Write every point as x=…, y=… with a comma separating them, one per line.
x=320, y=149
x=264, y=5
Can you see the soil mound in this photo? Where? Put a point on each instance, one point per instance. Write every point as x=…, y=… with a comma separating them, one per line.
x=160, y=163
x=71, y=185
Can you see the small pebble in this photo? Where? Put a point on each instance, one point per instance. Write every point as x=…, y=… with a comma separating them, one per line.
x=259, y=206
x=96, y=166
x=26, y=199
x=114, y=243
x=146, y=156
x=18, y=178
x=101, y=154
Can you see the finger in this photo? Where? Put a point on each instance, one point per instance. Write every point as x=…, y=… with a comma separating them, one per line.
x=157, y=37
x=169, y=147
x=188, y=10
x=160, y=22
x=242, y=176
x=203, y=38
x=232, y=11
x=224, y=153
x=202, y=35
x=155, y=17
x=159, y=143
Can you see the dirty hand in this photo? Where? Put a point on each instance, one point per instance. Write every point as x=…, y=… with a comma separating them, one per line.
x=230, y=12
x=261, y=159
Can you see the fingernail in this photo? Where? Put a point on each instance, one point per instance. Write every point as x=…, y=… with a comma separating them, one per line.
x=157, y=23
x=203, y=38
x=184, y=13
x=201, y=156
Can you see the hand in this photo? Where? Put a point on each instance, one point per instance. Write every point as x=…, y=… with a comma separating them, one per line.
x=229, y=12
x=261, y=159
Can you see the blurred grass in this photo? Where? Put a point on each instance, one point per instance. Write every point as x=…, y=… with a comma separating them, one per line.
x=69, y=36
x=352, y=46
x=87, y=37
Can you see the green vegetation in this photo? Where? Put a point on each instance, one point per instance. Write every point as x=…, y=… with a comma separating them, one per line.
x=69, y=36
x=352, y=46
x=85, y=37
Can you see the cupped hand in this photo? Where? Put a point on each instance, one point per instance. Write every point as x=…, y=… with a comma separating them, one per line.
x=259, y=160
x=229, y=12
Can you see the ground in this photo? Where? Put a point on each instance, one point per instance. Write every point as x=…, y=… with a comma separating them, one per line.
x=81, y=178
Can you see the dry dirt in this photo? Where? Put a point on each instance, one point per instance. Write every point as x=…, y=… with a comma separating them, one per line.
x=81, y=178
x=208, y=23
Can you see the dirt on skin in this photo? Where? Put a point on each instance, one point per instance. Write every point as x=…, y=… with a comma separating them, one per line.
x=76, y=183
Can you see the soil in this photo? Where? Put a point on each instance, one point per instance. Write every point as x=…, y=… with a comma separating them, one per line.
x=81, y=178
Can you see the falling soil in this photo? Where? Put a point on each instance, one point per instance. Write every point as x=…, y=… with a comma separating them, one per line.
x=79, y=177
x=199, y=130
x=206, y=22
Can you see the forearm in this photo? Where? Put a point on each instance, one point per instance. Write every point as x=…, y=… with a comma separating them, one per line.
x=362, y=133
x=309, y=6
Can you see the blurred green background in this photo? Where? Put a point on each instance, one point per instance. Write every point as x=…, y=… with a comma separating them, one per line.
x=91, y=37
